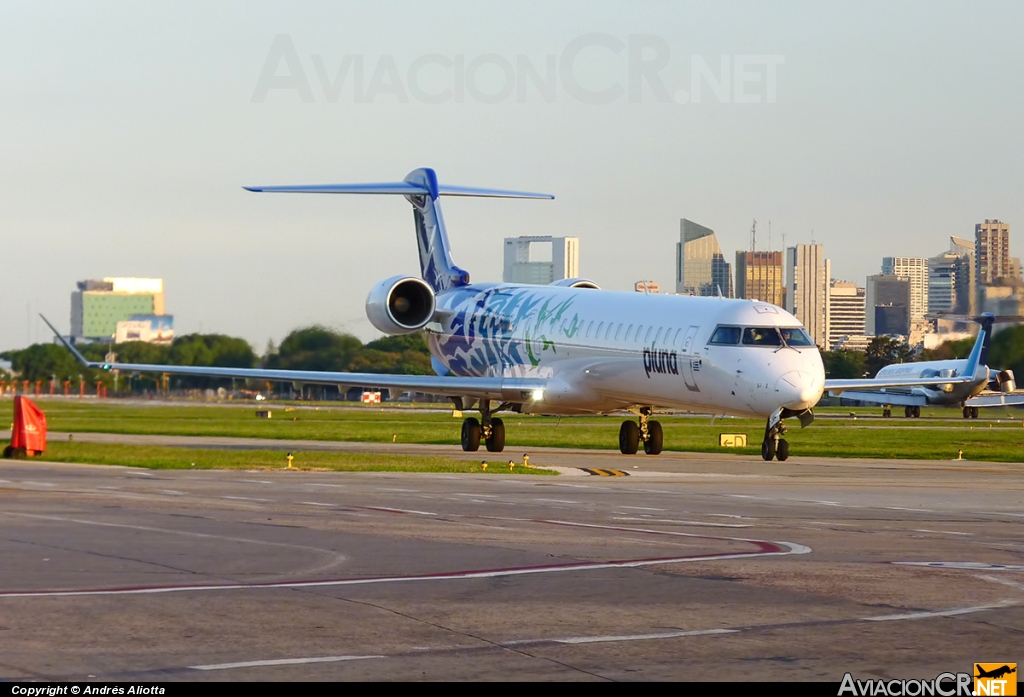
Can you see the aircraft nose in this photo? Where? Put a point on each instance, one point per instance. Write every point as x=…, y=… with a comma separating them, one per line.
x=799, y=389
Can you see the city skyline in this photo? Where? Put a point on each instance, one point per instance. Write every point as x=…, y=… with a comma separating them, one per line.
x=126, y=145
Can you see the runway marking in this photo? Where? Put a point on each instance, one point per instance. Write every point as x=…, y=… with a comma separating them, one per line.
x=281, y=662
x=555, y=500
x=394, y=510
x=764, y=549
x=315, y=503
x=912, y=510
x=171, y=492
x=404, y=491
x=604, y=472
x=943, y=532
x=623, y=637
x=38, y=484
x=336, y=557
x=642, y=508
x=339, y=486
x=257, y=481
x=688, y=522
x=247, y=498
x=1004, y=581
x=966, y=565
x=941, y=613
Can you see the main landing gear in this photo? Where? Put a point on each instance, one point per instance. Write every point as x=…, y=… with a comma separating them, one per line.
x=912, y=412
x=970, y=412
x=647, y=432
x=489, y=428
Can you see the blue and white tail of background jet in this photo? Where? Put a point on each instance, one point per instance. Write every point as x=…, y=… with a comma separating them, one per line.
x=421, y=189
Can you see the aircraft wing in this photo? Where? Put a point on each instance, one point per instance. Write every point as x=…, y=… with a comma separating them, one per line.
x=505, y=389
x=905, y=400
x=996, y=399
x=838, y=387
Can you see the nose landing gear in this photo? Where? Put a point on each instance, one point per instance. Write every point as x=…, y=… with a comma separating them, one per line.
x=774, y=446
x=647, y=432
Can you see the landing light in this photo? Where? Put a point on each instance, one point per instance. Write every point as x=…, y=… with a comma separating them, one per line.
x=537, y=395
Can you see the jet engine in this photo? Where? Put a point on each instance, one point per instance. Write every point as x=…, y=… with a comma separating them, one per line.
x=1006, y=381
x=400, y=305
x=576, y=283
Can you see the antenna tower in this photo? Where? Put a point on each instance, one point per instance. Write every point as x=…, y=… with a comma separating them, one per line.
x=753, y=237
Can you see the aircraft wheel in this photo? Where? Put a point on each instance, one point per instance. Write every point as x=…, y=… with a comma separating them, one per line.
x=782, y=450
x=974, y=412
x=655, y=438
x=471, y=435
x=629, y=438
x=886, y=413
x=496, y=443
x=907, y=411
x=768, y=450
x=916, y=412
x=967, y=412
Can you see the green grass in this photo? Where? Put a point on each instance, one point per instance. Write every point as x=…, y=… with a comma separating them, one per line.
x=938, y=435
x=158, y=457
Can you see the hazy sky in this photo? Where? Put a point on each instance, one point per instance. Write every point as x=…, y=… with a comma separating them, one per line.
x=128, y=129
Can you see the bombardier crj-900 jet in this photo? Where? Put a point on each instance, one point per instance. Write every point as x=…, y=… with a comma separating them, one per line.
x=572, y=348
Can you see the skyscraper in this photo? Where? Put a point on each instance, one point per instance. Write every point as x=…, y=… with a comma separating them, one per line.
x=916, y=271
x=541, y=260
x=992, y=252
x=701, y=269
x=759, y=276
x=807, y=287
x=845, y=312
x=966, y=302
x=886, y=291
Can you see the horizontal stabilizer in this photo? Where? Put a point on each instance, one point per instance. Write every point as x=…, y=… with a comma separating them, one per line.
x=996, y=399
x=838, y=386
x=401, y=188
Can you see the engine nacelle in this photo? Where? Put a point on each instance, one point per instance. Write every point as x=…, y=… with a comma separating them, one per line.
x=576, y=283
x=1007, y=383
x=400, y=305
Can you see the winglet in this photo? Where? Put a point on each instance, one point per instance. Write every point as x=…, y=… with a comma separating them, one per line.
x=69, y=346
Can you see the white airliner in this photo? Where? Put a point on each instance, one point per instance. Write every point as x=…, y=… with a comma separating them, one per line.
x=1000, y=384
x=572, y=348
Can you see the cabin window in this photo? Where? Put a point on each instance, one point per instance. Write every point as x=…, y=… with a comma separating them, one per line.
x=608, y=333
x=727, y=336
x=648, y=337
x=618, y=331
x=639, y=331
x=658, y=337
x=590, y=328
x=600, y=326
x=629, y=332
x=675, y=339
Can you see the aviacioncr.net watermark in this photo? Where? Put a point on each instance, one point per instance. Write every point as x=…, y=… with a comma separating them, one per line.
x=591, y=69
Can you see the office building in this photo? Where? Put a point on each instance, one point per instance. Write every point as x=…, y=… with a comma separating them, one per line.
x=701, y=269
x=98, y=305
x=916, y=271
x=992, y=252
x=541, y=260
x=759, y=276
x=807, y=288
x=942, y=275
x=845, y=313
x=887, y=291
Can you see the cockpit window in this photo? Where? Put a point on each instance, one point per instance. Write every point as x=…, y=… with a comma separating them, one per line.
x=761, y=336
x=795, y=337
x=729, y=336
